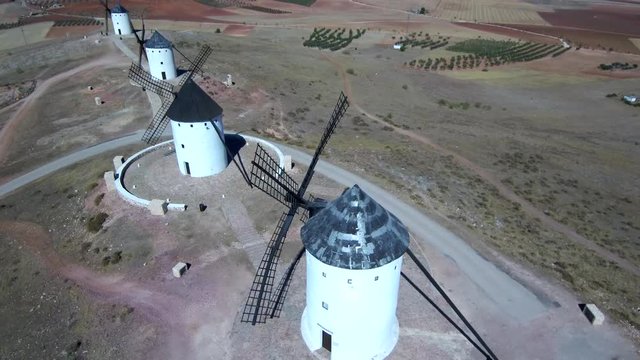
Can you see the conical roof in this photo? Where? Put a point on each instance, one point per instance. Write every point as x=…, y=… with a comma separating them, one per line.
x=119, y=9
x=157, y=41
x=192, y=104
x=355, y=232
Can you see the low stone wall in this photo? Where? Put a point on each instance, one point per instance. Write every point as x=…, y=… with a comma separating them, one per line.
x=134, y=200
x=129, y=197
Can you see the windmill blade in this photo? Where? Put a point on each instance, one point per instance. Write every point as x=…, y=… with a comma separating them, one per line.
x=197, y=64
x=140, y=40
x=141, y=77
x=489, y=353
x=277, y=301
x=258, y=303
x=140, y=51
x=158, y=124
x=268, y=176
x=338, y=113
x=107, y=12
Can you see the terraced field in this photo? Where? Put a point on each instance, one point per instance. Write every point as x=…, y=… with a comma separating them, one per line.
x=488, y=11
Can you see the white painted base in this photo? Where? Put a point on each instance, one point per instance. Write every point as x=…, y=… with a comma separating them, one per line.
x=312, y=336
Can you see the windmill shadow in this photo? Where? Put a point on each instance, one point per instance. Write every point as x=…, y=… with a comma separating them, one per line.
x=234, y=142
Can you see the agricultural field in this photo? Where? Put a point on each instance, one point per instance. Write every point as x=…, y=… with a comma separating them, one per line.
x=489, y=53
x=78, y=22
x=336, y=39
x=488, y=11
x=422, y=41
x=243, y=4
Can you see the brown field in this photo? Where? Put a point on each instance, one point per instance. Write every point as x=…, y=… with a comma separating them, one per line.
x=178, y=10
x=585, y=38
x=490, y=11
x=606, y=19
x=510, y=31
x=237, y=30
x=66, y=31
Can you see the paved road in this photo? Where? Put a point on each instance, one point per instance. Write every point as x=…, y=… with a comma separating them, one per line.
x=503, y=291
x=68, y=160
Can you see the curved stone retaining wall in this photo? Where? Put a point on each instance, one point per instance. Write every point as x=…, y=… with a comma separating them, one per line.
x=134, y=200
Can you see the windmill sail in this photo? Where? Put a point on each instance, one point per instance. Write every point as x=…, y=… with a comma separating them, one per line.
x=338, y=112
x=141, y=77
x=158, y=124
x=258, y=304
x=269, y=177
x=277, y=301
x=197, y=64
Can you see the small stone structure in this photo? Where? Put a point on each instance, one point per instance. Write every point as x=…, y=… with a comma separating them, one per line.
x=591, y=311
x=179, y=269
x=157, y=207
x=98, y=100
x=288, y=164
x=109, y=180
x=118, y=161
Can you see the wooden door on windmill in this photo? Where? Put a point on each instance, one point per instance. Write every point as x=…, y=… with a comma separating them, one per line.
x=326, y=340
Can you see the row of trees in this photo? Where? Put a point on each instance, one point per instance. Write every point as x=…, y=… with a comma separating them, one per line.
x=77, y=22
x=481, y=52
x=617, y=66
x=332, y=39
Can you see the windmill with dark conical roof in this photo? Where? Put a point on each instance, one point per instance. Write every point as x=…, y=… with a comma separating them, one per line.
x=119, y=18
x=354, y=250
x=195, y=118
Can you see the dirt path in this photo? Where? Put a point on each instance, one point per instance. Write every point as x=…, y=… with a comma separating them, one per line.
x=8, y=132
x=186, y=320
x=490, y=178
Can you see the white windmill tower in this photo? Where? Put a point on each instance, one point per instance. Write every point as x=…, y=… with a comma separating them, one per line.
x=354, y=251
x=159, y=53
x=196, y=119
x=119, y=19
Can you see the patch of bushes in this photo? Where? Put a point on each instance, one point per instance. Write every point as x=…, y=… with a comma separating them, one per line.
x=94, y=224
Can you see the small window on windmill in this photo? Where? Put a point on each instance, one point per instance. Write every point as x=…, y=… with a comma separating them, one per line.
x=191, y=125
x=182, y=146
x=161, y=62
x=376, y=278
x=349, y=281
x=325, y=305
x=324, y=274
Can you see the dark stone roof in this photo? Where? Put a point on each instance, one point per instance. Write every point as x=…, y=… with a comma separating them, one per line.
x=119, y=9
x=157, y=41
x=355, y=232
x=192, y=104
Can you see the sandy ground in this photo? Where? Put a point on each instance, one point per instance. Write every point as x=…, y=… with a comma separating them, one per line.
x=12, y=38
x=7, y=132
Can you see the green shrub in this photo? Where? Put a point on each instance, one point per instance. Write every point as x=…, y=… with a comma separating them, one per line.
x=95, y=222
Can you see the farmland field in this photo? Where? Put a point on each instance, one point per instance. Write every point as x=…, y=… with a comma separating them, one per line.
x=488, y=11
x=587, y=38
